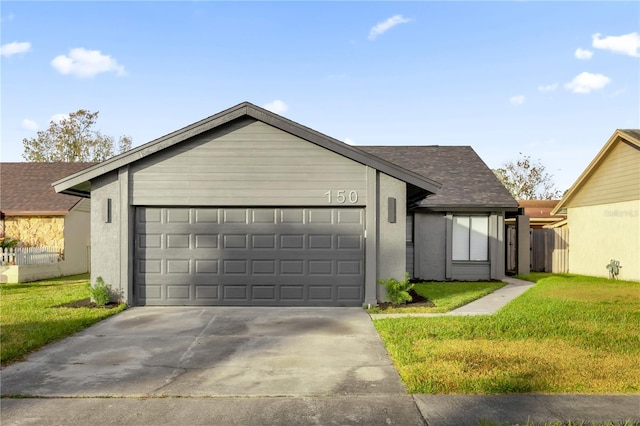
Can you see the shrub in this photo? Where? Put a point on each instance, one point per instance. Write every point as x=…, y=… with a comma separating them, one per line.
x=398, y=291
x=8, y=242
x=100, y=292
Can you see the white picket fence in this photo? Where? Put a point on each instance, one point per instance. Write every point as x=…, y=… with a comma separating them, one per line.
x=30, y=255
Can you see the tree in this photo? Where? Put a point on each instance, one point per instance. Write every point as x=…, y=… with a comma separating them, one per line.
x=72, y=140
x=527, y=180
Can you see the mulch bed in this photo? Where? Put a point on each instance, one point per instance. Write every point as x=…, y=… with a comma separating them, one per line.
x=86, y=303
x=417, y=301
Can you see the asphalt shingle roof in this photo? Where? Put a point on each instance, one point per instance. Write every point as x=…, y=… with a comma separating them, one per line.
x=467, y=182
x=26, y=187
x=633, y=132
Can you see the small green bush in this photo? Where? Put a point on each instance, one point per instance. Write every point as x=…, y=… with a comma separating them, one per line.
x=6, y=242
x=100, y=292
x=398, y=291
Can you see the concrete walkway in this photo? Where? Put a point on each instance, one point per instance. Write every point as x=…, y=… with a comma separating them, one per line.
x=373, y=410
x=473, y=410
x=487, y=305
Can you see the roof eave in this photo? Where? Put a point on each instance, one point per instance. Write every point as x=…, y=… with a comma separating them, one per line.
x=561, y=207
x=67, y=184
x=35, y=212
x=467, y=208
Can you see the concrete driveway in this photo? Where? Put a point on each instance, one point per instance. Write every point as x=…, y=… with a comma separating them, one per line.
x=213, y=352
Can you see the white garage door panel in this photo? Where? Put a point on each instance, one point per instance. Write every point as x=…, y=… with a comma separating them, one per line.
x=263, y=256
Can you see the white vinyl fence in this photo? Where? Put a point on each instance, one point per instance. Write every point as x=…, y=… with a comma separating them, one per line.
x=30, y=255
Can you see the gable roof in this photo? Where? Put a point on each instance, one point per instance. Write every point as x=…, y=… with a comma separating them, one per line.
x=25, y=188
x=79, y=183
x=467, y=182
x=630, y=136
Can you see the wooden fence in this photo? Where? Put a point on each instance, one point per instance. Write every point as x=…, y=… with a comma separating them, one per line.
x=550, y=250
x=30, y=255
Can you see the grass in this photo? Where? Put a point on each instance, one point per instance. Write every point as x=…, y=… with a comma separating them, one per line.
x=29, y=318
x=446, y=296
x=535, y=276
x=567, y=334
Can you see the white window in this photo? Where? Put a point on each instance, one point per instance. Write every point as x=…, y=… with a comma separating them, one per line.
x=471, y=238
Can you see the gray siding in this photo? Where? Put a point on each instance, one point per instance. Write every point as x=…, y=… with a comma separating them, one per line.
x=409, y=262
x=497, y=246
x=471, y=271
x=430, y=241
x=248, y=163
x=410, y=250
x=432, y=250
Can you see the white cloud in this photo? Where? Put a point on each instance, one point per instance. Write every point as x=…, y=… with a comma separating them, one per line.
x=385, y=26
x=56, y=118
x=548, y=87
x=517, y=100
x=349, y=141
x=583, y=53
x=276, y=106
x=627, y=44
x=14, y=48
x=586, y=82
x=86, y=63
x=29, y=125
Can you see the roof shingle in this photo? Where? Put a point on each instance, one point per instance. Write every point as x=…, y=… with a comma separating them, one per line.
x=467, y=182
x=25, y=188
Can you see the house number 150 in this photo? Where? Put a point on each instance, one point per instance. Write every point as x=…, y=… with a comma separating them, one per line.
x=342, y=196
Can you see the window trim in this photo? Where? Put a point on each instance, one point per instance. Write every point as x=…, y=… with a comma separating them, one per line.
x=469, y=246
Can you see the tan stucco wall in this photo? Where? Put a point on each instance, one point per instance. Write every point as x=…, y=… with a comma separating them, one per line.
x=36, y=231
x=77, y=242
x=604, y=232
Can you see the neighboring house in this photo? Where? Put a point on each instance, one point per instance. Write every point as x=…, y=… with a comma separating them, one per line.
x=249, y=208
x=539, y=212
x=603, y=210
x=33, y=213
x=549, y=250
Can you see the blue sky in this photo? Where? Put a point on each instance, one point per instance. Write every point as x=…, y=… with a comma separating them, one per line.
x=552, y=80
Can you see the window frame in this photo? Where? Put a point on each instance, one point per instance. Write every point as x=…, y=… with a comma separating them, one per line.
x=471, y=244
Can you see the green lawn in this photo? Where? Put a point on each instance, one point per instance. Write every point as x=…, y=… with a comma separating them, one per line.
x=446, y=296
x=566, y=334
x=29, y=318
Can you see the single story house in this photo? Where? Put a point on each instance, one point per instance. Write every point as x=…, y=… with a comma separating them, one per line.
x=602, y=209
x=457, y=233
x=249, y=208
x=33, y=213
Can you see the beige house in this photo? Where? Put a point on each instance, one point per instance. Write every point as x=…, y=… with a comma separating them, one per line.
x=33, y=213
x=603, y=210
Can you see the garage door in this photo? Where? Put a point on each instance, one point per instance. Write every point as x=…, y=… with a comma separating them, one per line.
x=249, y=256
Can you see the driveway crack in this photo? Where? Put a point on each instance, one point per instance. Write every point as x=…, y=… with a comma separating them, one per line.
x=180, y=369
